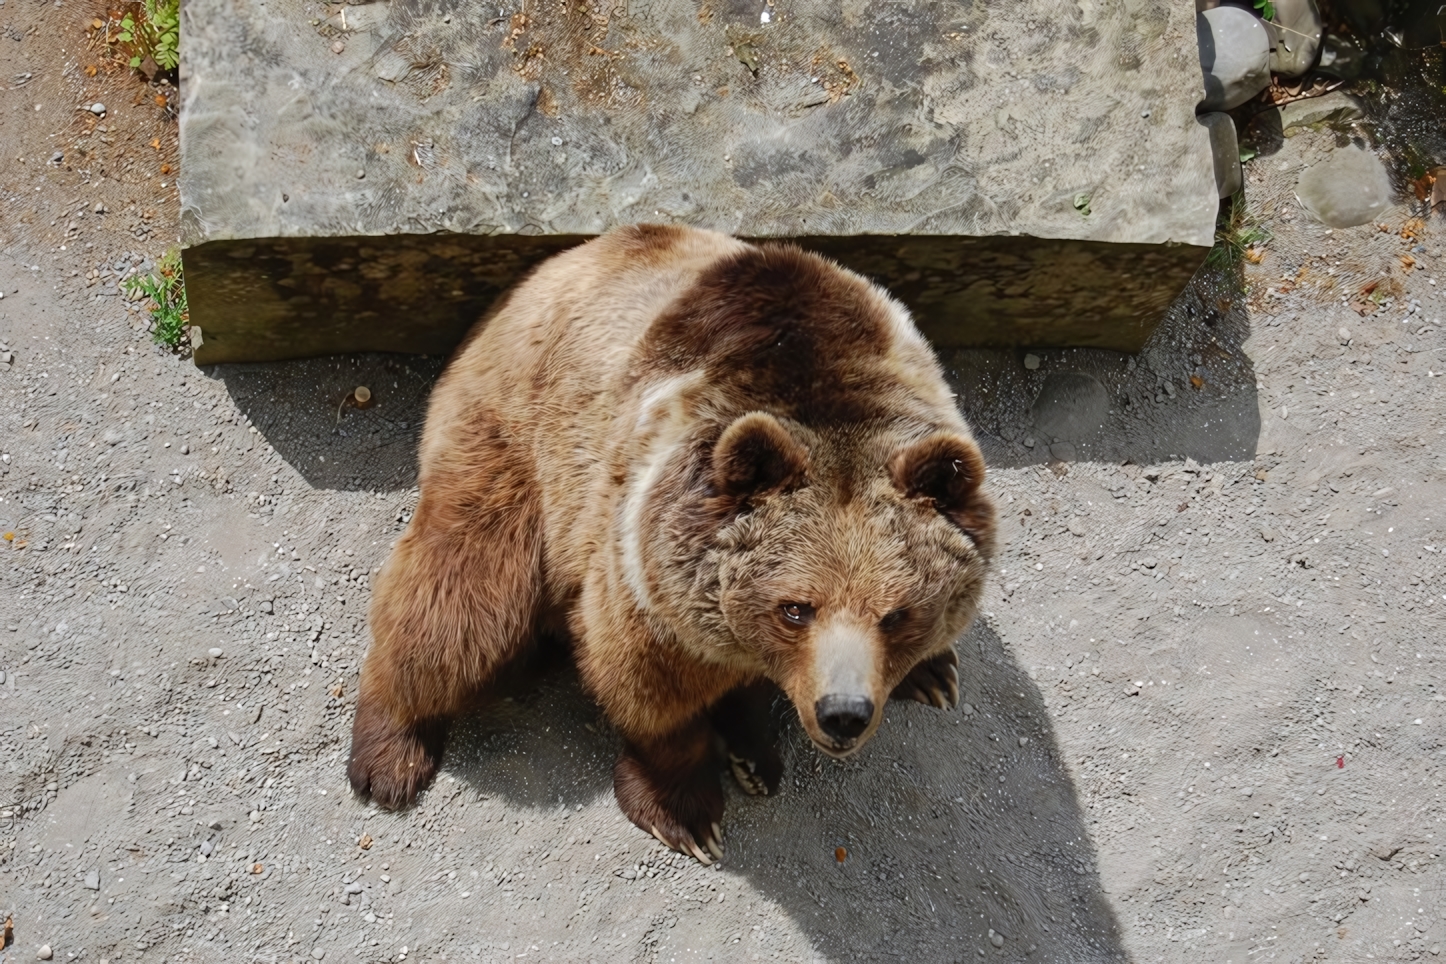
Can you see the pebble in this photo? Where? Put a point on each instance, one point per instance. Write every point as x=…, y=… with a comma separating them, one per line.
x=1343, y=334
x=185, y=448
x=45, y=953
x=255, y=816
x=317, y=953
x=1031, y=362
x=1225, y=152
x=1268, y=534
x=1076, y=527
x=214, y=652
x=1149, y=562
x=338, y=47
x=1024, y=741
x=2, y=678
x=967, y=709
x=97, y=108
x=996, y=938
x=92, y=880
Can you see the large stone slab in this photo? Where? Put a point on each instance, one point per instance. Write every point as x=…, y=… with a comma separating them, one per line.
x=370, y=176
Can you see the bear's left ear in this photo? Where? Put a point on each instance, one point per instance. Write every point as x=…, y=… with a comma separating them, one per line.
x=946, y=469
x=756, y=456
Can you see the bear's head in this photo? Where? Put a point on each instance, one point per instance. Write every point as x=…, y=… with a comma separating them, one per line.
x=848, y=556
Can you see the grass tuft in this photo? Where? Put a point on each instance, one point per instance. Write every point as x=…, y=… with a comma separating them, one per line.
x=1238, y=233
x=166, y=289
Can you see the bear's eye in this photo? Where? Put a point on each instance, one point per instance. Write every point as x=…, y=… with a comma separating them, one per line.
x=799, y=614
x=893, y=620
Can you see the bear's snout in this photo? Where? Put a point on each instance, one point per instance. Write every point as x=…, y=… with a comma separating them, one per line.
x=843, y=717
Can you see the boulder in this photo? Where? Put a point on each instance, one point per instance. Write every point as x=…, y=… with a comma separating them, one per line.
x=369, y=176
x=1225, y=147
x=1350, y=187
x=1336, y=107
x=1234, y=56
x=1295, y=33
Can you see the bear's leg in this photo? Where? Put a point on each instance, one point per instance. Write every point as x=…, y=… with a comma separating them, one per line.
x=669, y=787
x=456, y=600
x=742, y=718
x=934, y=682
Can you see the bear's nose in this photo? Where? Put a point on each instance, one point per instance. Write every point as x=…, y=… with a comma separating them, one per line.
x=844, y=717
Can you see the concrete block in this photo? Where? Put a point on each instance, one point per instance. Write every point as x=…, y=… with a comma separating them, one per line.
x=370, y=176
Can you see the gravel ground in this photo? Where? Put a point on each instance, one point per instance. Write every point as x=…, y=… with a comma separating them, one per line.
x=1202, y=715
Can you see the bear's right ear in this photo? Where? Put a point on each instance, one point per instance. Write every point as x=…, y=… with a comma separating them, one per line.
x=756, y=457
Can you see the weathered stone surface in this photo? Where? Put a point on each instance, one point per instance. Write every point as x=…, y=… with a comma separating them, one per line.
x=1337, y=107
x=1225, y=145
x=1234, y=56
x=379, y=197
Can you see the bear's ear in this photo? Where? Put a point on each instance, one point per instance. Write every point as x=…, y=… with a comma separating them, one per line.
x=756, y=457
x=946, y=469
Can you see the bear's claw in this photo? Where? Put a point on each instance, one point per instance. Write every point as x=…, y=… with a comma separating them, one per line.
x=934, y=682
x=746, y=773
x=390, y=763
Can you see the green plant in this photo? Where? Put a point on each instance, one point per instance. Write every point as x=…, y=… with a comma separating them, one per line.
x=1237, y=233
x=1082, y=204
x=153, y=29
x=1266, y=8
x=166, y=289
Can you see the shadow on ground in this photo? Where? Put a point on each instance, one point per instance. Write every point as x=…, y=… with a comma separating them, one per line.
x=1191, y=393
x=956, y=825
x=298, y=407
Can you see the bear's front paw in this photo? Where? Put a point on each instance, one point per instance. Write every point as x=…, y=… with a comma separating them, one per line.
x=934, y=682
x=391, y=763
x=681, y=809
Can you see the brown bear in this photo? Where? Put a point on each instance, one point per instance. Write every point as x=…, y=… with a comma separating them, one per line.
x=720, y=467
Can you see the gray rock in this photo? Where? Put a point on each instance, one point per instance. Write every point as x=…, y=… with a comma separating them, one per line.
x=1340, y=58
x=45, y=953
x=1335, y=107
x=1350, y=187
x=214, y=652
x=92, y=880
x=97, y=108
x=1295, y=34
x=1234, y=56
x=1062, y=452
x=538, y=143
x=1031, y=362
x=1225, y=148
x=1071, y=407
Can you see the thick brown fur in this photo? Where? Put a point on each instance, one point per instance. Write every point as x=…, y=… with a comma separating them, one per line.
x=731, y=467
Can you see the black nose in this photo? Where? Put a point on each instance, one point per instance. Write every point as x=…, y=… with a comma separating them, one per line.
x=844, y=717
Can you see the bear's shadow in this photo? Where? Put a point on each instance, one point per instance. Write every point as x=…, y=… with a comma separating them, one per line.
x=955, y=826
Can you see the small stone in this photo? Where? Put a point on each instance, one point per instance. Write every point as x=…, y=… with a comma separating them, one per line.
x=44, y=954
x=1062, y=452
x=1029, y=442
x=1133, y=689
x=360, y=175
x=1024, y=741
x=2, y=677
x=214, y=652
x=1076, y=526
x=97, y=108
x=1247, y=792
x=1031, y=362
x=1149, y=562
x=1234, y=56
x=255, y=816
x=185, y=448
x=338, y=47
x=1268, y=534
x=266, y=606
x=996, y=938
x=361, y=396
x=967, y=709
x=1343, y=334
x=92, y=880
x=214, y=825
x=317, y=953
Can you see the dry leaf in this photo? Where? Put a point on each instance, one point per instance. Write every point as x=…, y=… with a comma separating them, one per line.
x=336, y=690
x=840, y=854
x=156, y=143
x=1369, y=286
x=97, y=24
x=1385, y=228
x=90, y=70
x=160, y=100
x=257, y=868
x=1408, y=262
x=1412, y=229
x=1438, y=189
x=1196, y=381
x=365, y=842
x=9, y=537
x=1254, y=255
x=165, y=168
